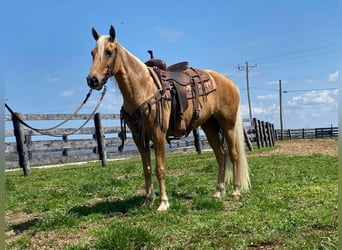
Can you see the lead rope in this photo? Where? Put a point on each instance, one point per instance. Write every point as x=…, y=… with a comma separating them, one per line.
x=71, y=115
x=44, y=131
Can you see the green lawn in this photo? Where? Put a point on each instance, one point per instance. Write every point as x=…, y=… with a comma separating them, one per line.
x=292, y=205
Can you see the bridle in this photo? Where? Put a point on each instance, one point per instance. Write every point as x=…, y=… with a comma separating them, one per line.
x=112, y=64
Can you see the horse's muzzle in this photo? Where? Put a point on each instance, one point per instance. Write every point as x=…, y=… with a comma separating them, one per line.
x=94, y=83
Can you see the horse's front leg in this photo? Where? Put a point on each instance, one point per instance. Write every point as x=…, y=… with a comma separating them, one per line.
x=159, y=147
x=145, y=154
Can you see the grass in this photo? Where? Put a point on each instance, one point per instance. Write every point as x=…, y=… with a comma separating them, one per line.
x=292, y=205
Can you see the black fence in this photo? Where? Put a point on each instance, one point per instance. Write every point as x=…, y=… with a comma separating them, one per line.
x=306, y=133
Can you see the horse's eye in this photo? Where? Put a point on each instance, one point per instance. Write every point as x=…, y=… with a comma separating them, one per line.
x=108, y=53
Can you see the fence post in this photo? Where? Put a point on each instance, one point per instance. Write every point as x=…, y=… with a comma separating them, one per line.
x=65, y=151
x=100, y=139
x=264, y=131
x=269, y=136
x=197, y=141
x=276, y=137
x=257, y=134
x=262, y=135
x=21, y=146
x=272, y=134
x=248, y=142
x=28, y=142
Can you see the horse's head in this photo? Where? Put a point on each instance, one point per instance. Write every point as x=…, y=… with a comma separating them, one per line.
x=104, y=57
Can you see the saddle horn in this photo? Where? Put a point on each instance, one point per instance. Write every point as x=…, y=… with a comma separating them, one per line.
x=151, y=54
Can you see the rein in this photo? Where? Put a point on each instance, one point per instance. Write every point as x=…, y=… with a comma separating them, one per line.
x=45, y=131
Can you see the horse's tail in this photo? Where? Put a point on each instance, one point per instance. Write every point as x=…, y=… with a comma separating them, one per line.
x=243, y=169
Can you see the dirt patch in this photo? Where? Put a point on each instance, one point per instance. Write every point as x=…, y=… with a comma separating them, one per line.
x=12, y=218
x=303, y=147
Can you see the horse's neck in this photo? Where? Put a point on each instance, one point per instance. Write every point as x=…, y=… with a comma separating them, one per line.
x=134, y=80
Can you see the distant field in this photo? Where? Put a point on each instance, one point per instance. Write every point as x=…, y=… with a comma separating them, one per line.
x=292, y=205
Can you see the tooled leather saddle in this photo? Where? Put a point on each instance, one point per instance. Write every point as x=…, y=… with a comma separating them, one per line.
x=181, y=84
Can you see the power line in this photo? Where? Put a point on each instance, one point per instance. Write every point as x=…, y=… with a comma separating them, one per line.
x=306, y=90
x=308, y=53
x=290, y=91
x=264, y=89
x=298, y=57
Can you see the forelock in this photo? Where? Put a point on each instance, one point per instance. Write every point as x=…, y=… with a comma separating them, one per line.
x=101, y=42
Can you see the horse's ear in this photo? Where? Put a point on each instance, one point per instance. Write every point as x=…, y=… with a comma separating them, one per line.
x=95, y=34
x=112, y=32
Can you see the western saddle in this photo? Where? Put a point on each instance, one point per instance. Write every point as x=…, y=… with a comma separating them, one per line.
x=180, y=83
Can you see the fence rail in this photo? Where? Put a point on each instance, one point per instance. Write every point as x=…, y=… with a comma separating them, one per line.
x=97, y=142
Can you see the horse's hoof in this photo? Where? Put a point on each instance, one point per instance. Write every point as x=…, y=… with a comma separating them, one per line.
x=149, y=200
x=236, y=195
x=217, y=194
x=164, y=205
x=148, y=203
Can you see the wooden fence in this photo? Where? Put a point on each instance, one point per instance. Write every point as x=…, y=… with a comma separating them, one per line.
x=306, y=133
x=97, y=142
x=259, y=133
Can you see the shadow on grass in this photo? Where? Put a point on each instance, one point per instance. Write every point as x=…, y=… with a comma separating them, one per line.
x=108, y=207
x=21, y=227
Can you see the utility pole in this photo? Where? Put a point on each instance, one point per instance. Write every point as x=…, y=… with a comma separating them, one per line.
x=281, y=110
x=246, y=68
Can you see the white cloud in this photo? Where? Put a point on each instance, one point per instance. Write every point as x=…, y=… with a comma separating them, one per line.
x=333, y=77
x=169, y=35
x=313, y=109
x=268, y=97
x=312, y=81
x=52, y=79
x=314, y=98
x=261, y=111
x=68, y=93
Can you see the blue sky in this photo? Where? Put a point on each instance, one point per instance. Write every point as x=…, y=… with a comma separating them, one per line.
x=45, y=51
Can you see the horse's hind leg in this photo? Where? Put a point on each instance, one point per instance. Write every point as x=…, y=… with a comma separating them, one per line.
x=236, y=165
x=234, y=159
x=211, y=129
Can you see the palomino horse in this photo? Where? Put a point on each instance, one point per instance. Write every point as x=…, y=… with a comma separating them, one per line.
x=147, y=113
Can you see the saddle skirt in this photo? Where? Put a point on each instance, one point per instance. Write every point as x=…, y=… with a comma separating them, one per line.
x=184, y=85
x=188, y=79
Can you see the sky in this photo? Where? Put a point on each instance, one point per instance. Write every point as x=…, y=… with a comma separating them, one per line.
x=45, y=51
